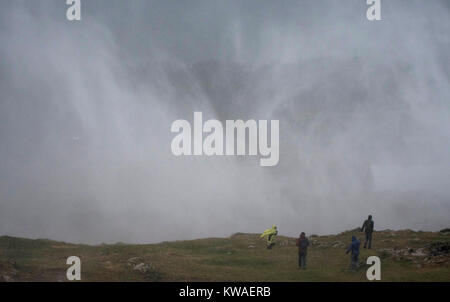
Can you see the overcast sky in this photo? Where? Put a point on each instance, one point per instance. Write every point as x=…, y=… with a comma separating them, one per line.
x=86, y=109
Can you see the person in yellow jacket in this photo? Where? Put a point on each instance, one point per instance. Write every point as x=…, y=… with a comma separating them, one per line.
x=270, y=234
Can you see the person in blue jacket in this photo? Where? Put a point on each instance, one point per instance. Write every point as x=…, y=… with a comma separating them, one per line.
x=354, y=249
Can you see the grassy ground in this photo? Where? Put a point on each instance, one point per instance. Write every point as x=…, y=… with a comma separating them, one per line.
x=241, y=257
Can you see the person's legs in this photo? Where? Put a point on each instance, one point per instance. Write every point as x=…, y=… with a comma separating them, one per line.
x=269, y=241
x=354, y=261
x=367, y=239
x=370, y=239
x=304, y=261
x=299, y=260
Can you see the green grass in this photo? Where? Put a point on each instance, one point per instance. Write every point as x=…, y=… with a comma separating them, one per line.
x=241, y=257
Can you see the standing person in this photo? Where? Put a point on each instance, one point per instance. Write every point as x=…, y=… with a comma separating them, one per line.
x=368, y=227
x=302, y=243
x=354, y=249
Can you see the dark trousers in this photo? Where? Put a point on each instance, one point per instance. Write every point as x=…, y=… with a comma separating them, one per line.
x=302, y=260
x=368, y=240
x=354, y=261
x=270, y=242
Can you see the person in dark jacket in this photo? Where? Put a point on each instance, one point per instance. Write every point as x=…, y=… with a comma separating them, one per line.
x=354, y=249
x=302, y=243
x=368, y=228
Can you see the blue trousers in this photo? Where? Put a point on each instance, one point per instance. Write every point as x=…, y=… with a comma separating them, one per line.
x=302, y=260
x=354, y=261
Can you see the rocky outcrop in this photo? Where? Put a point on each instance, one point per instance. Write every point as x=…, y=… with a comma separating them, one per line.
x=433, y=253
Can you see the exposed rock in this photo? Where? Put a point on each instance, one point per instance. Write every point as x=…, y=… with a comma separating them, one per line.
x=420, y=252
x=323, y=245
x=6, y=278
x=108, y=264
x=338, y=244
x=435, y=253
x=148, y=270
x=143, y=268
x=284, y=243
x=133, y=261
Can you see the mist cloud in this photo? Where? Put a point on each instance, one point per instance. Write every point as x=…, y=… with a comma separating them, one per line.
x=86, y=110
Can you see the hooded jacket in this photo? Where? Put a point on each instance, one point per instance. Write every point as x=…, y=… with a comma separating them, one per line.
x=270, y=232
x=354, y=246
